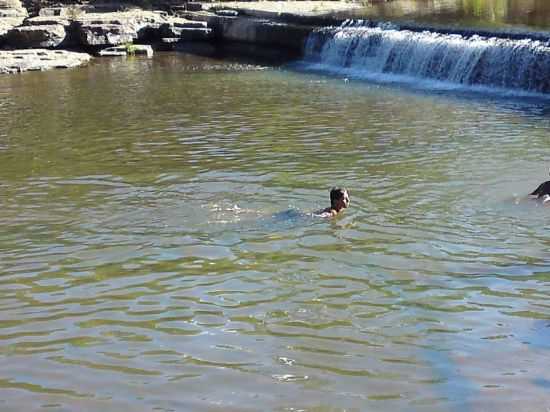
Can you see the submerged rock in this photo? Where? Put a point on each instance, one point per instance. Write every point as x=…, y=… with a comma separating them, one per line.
x=17, y=61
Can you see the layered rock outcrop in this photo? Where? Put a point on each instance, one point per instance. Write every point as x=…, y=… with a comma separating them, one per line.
x=114, y=32
x=112, y=29
x=58, y=28
x=181, y=30
x=12, y=14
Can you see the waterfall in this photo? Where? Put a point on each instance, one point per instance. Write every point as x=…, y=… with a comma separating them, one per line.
x=521, y=65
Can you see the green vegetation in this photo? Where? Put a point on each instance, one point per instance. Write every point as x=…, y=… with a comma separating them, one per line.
x=130, y=49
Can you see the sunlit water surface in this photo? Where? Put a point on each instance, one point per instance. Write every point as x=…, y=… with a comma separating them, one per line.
x=157, y=251
x=516, y=14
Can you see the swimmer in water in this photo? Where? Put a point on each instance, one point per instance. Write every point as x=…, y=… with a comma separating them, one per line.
x=339, y=200
x=542, y=192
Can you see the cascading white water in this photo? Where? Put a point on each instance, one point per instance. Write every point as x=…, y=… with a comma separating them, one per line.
x=471, y=61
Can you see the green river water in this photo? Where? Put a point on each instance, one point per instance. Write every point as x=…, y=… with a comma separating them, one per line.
x=157, y=251
x=514, y=14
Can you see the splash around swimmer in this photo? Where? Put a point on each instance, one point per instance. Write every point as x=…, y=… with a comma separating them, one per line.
x=339, y=200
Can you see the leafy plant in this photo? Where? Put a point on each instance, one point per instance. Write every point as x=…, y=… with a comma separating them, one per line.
x=130, y=49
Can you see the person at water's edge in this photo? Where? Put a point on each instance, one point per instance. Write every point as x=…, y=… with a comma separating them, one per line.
x=339, y=200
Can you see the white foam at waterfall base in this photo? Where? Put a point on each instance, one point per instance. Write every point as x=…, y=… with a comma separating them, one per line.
x=432, y=60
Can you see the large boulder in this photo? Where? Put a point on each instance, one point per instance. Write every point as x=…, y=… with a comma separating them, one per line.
x=103, y=34
x=16, y=61
x=36, y=36
x=112, y=29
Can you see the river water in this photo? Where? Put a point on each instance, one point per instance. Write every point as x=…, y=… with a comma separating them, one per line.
x=157, y=251
x=516, y=14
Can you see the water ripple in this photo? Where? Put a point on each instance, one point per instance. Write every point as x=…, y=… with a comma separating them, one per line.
x=171, y=241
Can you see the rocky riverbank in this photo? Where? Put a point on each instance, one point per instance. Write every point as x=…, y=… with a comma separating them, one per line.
x=87, y=29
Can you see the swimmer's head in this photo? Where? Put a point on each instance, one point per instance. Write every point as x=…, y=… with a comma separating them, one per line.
x=339, y=198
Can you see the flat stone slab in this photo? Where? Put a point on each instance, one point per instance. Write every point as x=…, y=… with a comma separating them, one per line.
x=134, y=49
x=17, y=61
x=47, y=21
x=112, y=53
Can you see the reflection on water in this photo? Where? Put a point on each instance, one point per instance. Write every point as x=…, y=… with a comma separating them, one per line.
x=532, y=13
x=156, y=250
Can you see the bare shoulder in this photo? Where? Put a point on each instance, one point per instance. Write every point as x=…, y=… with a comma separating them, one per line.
x=328, y=212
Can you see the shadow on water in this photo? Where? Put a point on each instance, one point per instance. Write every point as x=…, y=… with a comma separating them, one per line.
x=243, y=53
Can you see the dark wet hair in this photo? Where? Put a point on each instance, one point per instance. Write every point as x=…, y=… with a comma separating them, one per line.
x=335, y=194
